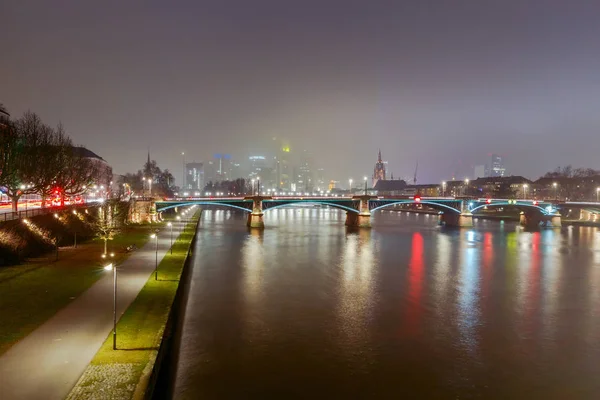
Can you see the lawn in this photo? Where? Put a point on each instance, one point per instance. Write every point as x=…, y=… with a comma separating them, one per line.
x=33, y=292
x=139, y=331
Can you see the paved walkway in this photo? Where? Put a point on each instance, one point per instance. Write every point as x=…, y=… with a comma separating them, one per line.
x=48, y=362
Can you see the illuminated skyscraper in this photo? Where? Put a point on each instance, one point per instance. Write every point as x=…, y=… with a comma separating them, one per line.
x=497, y=166
x=379, y=170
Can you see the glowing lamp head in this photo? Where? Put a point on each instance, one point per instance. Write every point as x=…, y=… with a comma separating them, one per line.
x=417, y=199
x=74, y=212
x=25, y=221
x=56, y=216
x=153, y=236
x=488, y=201
x=108, y=267
x=535, y=202
x=169, y=224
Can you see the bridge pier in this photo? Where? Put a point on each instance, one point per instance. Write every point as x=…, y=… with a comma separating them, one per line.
x=462, y=220
x=362, y=219
x=255, y=218
x=554, y=221
x=530, y=220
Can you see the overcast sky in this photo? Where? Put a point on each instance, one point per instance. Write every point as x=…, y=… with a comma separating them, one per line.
x=446, y=82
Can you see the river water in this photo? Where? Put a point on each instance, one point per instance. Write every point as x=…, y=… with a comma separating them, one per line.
x=309, y=310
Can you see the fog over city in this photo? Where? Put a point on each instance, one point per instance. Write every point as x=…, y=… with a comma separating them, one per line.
x=445, y=83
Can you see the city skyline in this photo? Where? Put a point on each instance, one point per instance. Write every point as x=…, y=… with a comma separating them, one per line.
x=443, y=84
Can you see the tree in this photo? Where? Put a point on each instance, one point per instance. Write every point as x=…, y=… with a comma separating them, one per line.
x=110, y=220
x=27, y=159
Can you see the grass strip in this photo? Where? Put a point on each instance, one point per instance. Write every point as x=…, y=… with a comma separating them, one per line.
x=33, y=292
x=116, y=373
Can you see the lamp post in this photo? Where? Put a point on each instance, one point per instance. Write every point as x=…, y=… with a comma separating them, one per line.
x=555, y=190
x=170, y=225
x=150, y=185
x=524, y=191
x=114, y=270
x=350, y=185
x=252, y=187
x=258, y=185
x=365, y=179
x=598, y=194
x=155, y=237
x=443, y=188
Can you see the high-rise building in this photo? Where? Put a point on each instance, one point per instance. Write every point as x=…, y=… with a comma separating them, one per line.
x=379, y=170
x=497, y=166
x=284, y=168
x=257, y=166
x=479, y=172
x=194, y=176
x=321, y=185
x=210, y=172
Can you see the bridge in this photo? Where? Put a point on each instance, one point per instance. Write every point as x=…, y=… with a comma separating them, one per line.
x=453, y=211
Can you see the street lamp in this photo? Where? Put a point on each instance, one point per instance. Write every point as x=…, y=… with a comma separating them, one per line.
x=443, y=188
x=365, y=179
x=170, y=225
x=150, y=185
x=350, y=184
x=555, y=190
x=524, y=191
x=252, y=186
x=114, y=270
x=466, y=190
x=598, y=194
x=258, y=185
x=155, y=237
x=182, y=170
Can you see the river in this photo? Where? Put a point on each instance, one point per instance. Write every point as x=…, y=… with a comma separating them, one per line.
x=306, y=309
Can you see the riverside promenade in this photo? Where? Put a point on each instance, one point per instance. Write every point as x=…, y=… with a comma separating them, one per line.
x=47, y=363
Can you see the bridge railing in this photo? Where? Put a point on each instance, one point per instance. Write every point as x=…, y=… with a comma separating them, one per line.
x=12, y=215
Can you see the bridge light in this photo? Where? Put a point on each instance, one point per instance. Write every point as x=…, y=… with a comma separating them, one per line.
x=488, y=201
x=417, y=198
x=535, y=202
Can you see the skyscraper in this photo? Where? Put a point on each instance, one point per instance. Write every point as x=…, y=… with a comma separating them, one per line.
x=379, y=170
x=497, y=166
x=194, y=176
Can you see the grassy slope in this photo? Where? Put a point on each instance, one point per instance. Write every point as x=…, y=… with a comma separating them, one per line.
x=33, y=292
x=140, y=329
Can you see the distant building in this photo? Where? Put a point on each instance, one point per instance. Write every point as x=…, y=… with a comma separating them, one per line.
x=517, y=185
x=194, y=176
x=210, y=172
x=479, y=172
x=497, y=166
x=390, y=188
x=104, y=174
x=379, y=170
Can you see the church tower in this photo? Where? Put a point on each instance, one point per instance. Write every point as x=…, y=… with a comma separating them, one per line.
x=379, y=170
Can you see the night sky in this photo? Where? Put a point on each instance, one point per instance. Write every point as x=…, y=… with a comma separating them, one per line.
x=444, y=82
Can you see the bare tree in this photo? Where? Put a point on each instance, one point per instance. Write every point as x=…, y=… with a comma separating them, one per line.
x=28, y=143
x=110, y=220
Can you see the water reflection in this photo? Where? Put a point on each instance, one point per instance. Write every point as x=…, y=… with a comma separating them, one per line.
x=308, y=309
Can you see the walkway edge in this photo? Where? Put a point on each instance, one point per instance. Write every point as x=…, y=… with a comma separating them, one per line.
x=147, y=383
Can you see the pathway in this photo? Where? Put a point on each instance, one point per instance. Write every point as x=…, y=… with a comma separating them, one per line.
x=48, y=362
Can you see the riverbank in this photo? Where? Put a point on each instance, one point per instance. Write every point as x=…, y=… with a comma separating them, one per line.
x=130, y=371
x=34, y=291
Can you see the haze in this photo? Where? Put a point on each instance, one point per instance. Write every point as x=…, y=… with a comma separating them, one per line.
x=444, y=82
